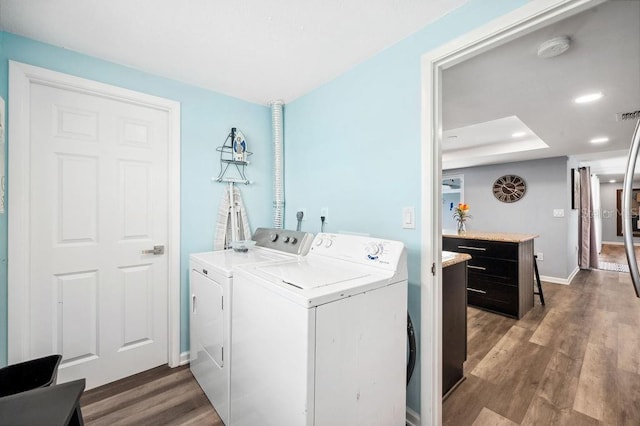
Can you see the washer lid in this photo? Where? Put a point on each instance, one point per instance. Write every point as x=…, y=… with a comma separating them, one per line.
x=308, y=275
x=226, y=260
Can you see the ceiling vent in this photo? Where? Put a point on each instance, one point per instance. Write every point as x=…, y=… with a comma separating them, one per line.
x=554, y=47
x=633, y=115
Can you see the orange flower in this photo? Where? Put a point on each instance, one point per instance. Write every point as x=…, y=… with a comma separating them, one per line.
x=461, y=213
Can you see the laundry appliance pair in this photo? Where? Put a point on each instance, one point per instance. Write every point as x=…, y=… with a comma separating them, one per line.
x=315, y=339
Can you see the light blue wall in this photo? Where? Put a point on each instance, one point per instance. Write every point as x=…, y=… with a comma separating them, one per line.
x=205, y=121
x=353, y=145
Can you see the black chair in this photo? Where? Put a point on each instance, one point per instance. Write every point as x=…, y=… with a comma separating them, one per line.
x=28, y=375
x=24, y=384
x=535, y=268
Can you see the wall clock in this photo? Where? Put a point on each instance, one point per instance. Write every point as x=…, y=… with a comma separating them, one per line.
x=509, y=188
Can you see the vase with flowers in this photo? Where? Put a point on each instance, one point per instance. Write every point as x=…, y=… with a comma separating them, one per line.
x=461, y=215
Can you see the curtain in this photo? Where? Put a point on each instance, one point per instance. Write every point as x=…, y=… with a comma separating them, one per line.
x=587, y=250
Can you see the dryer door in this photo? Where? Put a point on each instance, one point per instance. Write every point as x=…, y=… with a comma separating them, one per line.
x=207, y=312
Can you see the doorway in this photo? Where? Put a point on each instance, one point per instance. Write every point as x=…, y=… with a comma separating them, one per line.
x=521, y=21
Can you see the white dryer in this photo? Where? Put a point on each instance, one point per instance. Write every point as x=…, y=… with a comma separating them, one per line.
x=211, y=286
x=321, y=340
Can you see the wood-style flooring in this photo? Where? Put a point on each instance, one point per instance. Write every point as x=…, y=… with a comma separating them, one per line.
x=161, y=396
x=575, y=361
x=615, y=253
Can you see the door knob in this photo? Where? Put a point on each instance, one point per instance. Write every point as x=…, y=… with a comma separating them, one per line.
x=155, y=251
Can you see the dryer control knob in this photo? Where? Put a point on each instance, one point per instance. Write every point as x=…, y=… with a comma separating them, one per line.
x=293, y=240
x=373, y=249
x=318, y=241
x=286, y=239
x=273, y=237
x=328, y=243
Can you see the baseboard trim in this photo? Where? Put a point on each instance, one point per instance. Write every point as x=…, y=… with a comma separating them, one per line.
x=413, y=418
x=563, y=281
x=618, y=243
x=184, y=358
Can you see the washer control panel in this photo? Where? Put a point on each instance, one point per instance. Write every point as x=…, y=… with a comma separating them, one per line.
x=365, y=250
x=293, y=242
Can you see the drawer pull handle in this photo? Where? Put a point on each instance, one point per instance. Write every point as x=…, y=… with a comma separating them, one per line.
x=481, y=268
x=472, y=248
x=476, y=291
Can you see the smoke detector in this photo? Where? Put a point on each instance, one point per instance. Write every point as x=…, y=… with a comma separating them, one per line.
x=554, y=47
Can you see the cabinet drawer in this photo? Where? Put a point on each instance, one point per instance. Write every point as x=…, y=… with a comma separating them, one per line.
x=496, y=249
x=494, y=296
x=505, y=271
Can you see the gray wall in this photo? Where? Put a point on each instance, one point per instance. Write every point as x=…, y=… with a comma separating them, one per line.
x=548, y=187
x=609, y=209
x=448, y=222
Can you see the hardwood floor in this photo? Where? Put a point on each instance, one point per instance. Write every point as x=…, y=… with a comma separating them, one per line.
x=161, y=396
x=575, y=361
x=615, y=253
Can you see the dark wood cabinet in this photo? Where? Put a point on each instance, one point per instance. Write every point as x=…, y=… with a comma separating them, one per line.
x=454, y=324
x=500, y=273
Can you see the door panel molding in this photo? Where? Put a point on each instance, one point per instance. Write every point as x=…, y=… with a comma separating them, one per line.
x=21, y=78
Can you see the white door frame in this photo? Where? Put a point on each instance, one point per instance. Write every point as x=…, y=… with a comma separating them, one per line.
x=20, y=78
x=527, y=18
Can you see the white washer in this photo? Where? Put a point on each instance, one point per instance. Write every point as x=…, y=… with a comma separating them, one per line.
x=321, y=340
x=211, y=285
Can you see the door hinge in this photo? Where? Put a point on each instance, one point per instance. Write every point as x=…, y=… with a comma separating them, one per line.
x=433, y=269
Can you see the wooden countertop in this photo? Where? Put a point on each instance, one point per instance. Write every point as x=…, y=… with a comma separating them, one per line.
x=491, y=236
x=457, y=258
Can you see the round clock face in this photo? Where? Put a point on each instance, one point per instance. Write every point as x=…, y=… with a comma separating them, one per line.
x=509, y=188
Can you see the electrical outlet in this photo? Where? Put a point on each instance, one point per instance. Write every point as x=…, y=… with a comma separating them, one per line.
x=304, y=213
x=558, y=212
x=540, y=256
x=324, y=211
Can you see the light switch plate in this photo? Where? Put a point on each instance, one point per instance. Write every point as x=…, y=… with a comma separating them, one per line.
x=409, y=217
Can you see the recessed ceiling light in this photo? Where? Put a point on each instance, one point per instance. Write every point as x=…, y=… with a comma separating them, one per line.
x=589, y=97
x=518, y=134
x=602, y=139
x=612, y=181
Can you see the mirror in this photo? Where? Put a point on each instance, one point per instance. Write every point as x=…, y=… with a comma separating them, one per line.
x=635, y=211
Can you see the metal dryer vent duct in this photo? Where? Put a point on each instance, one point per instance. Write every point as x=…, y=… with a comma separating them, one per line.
x=278, y=184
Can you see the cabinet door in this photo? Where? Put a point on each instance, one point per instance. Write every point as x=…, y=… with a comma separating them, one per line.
x=485, y=292
x=495, y=249
x=499, y=270
x=206, y=315
x=454, y=324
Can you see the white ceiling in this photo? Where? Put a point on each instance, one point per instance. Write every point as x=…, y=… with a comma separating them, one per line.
x=257, y=50
x=511, y=80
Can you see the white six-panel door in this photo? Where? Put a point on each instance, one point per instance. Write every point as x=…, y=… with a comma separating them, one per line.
x=98, y=200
